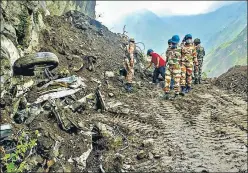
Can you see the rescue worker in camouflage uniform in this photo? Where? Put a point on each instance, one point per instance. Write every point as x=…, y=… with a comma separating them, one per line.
x=167, y=51
x=173, y=57
x=188, y=60
x=200, y=54
x=130, y=53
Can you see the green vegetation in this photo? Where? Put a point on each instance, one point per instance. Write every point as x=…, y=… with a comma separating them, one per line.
x=227, y=55
x=16, y=161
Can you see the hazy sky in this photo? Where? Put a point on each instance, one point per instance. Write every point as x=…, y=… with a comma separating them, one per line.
x=114, y=10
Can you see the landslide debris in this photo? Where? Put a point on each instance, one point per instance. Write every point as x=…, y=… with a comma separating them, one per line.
x=100, y=128
x=62, y=109
x=234, y=80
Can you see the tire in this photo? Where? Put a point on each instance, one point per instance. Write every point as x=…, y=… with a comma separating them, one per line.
x=26, y=64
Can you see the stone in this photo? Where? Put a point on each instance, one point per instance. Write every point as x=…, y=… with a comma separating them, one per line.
x=150, y=155
x=109, y=74
x=125, y=110
x=111, y=95
x=106, y=130
x=141, y=155
x=157, y=156
x=9, y=51
x=148, y=143
x=126, y=167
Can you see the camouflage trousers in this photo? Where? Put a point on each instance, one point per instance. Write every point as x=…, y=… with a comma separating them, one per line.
x=130, y=72
x=197, y=74
x=173, y=72
x=186, y=73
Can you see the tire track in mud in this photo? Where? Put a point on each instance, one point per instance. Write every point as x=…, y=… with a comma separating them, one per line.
x=204, y=144
x=200, y=145
x=226, y=142
x=127, y=123
x=186, y=155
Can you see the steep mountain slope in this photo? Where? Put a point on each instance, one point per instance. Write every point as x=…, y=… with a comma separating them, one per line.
x=147, y=27
x=214, y=29
x=227, y=55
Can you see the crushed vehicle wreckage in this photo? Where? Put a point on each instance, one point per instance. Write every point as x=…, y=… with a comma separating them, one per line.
x=55, y=97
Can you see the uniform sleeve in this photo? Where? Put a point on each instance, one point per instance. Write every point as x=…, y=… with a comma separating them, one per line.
x=203, y=51
x=167, y=56
x=180, y=58
x=194, y=54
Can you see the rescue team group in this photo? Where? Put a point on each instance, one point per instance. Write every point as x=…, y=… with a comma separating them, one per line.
x=181, y=61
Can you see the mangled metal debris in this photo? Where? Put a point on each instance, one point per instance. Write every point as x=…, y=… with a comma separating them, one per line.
x=56, y=95
x=69, y=82
x=22, y=89
x=100, y=101
x=61, y=115
x=6, y=131
x=81, y=161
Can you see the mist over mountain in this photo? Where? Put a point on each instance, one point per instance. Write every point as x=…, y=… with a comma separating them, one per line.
x=214, y=29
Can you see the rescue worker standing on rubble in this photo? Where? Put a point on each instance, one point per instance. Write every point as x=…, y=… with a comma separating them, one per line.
x=173, y=57
x=159, y=63
x=130, y=53
x=188, y=60
x=167, y=51
x=200, y=54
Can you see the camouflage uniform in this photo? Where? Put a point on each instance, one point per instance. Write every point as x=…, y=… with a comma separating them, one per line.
x=200, y=54
x=129, y=61
x=188, y=58
x=174, y=70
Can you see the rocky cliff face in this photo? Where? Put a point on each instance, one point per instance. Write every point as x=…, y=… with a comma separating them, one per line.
x=61, y=7
x=21, y=23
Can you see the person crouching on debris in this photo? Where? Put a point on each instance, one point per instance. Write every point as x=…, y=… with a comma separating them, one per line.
x=159, y=63
x=130, y=52
x=173, y=57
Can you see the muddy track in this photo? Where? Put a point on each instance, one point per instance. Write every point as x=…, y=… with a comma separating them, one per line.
x=211, y=138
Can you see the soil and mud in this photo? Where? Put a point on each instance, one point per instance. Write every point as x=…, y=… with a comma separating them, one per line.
x=206, y=130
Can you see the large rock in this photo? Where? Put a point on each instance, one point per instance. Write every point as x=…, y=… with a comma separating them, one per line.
x=61, y=7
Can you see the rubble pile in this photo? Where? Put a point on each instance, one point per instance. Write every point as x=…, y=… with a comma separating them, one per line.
x=234, y=80
x=58, y=90
x=65, y=110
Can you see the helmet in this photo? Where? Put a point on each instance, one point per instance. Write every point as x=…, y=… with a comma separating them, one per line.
x=131, y=40
x=169, y=41
x=197, y=41
x=149, y=51
x=175, y=39
x=188, y=36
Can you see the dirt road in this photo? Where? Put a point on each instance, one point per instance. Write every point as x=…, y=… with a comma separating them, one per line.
x=203, y=131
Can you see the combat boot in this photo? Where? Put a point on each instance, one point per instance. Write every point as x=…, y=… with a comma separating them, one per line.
x=199, y=80
x=188, y=89
x=196, y=81
x=183, y=90
x=128, y=87
x=166, y=96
